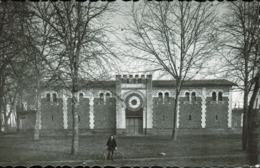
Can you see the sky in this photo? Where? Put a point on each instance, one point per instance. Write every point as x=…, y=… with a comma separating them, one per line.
x=120, y=21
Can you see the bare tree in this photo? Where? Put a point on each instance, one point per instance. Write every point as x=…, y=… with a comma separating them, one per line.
x=175, y=38
x=79, y=35
x=238, y=46
x=12, y=45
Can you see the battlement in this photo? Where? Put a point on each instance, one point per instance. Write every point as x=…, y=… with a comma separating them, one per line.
x=134, y=78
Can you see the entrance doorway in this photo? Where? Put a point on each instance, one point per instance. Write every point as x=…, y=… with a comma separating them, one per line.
x=134, y=121
x=134, y=125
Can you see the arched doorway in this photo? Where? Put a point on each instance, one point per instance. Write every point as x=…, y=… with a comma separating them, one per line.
x=134, y=114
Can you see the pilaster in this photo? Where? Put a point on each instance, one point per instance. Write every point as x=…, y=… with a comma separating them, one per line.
x=149, y=102
x=120, y=117
x=230, y=109
x=91, y=112
x=65, y=111
x=203, y=107
x=178, y=113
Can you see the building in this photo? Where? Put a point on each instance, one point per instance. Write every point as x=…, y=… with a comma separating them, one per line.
x=134, y=104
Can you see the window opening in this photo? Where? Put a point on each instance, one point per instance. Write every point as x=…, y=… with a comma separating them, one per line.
x=193, y=96
x=48, y=97
x=54, y=95
x=101, y=96
x=216, y=117
x=166, y=96
x=52, y=118
x=81, y=95
x=108, y=95
x=220, y=96
x=160, y=95
x=214, y=96
x=187, y=96
x=189, y=117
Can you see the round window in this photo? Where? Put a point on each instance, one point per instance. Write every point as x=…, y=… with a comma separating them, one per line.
x=134, y=102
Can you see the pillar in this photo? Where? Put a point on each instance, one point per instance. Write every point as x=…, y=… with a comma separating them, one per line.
x=203, y=107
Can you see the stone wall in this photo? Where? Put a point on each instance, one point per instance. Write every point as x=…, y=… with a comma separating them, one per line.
x=105, y=114
x=26, y=120
x=237, y=118
x=217, y=113
x=83, y=112
x=51, y=114
x=163, y=113
x=190, y=113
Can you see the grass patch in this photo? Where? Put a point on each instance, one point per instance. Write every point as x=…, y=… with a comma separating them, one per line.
x=23, y=149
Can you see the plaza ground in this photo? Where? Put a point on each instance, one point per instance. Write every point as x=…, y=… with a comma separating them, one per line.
x=187, y=150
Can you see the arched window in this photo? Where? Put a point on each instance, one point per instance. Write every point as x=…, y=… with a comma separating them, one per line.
x=160, y=95
x=108, y=95
x=216, y=117
x=54, y=95
x=166, y=96
x=214, y=96
x=187, y=96
x=189, y=117
x=101, y=96
x=219, y=96
x=48, y=97
x=81, y=95
x=193, y=96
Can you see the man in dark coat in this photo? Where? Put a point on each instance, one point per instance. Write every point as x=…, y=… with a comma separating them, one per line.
x=111, y=146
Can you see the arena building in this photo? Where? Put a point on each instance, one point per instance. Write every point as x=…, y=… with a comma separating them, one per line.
x=134, y=104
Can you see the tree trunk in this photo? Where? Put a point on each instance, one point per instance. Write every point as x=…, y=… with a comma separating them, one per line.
x=75, y=136
x=2, y=85
x=245, y=118
x=5, y=115
x=250, y=110
x=38, y=114
x=174, y=129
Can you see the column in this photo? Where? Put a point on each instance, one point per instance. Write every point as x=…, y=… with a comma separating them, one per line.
x=91, y=112
x=149, y=101
x=178, y=111
x=230, y=109
x=203, y=106
x=65, y=110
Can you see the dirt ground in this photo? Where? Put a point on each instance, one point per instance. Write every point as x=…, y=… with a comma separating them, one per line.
x=187, y=150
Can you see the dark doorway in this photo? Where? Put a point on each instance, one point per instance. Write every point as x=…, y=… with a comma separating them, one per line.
x=134, y=122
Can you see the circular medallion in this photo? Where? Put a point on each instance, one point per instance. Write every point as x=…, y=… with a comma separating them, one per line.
x=134, y=102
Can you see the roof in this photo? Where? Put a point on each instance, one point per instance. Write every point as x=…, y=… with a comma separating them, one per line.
x=155, y=83
x=193, y=83
x=101, y=84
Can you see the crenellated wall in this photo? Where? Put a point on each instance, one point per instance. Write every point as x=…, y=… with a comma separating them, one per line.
x=26, y=121
x=83, y=112
x=107, y=109
x=51, y=114
x=217, y=113
x=104, y=115
x=190, y=113
x=163, y=115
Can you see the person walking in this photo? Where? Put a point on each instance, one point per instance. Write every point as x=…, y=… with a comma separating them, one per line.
x=111, y=147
